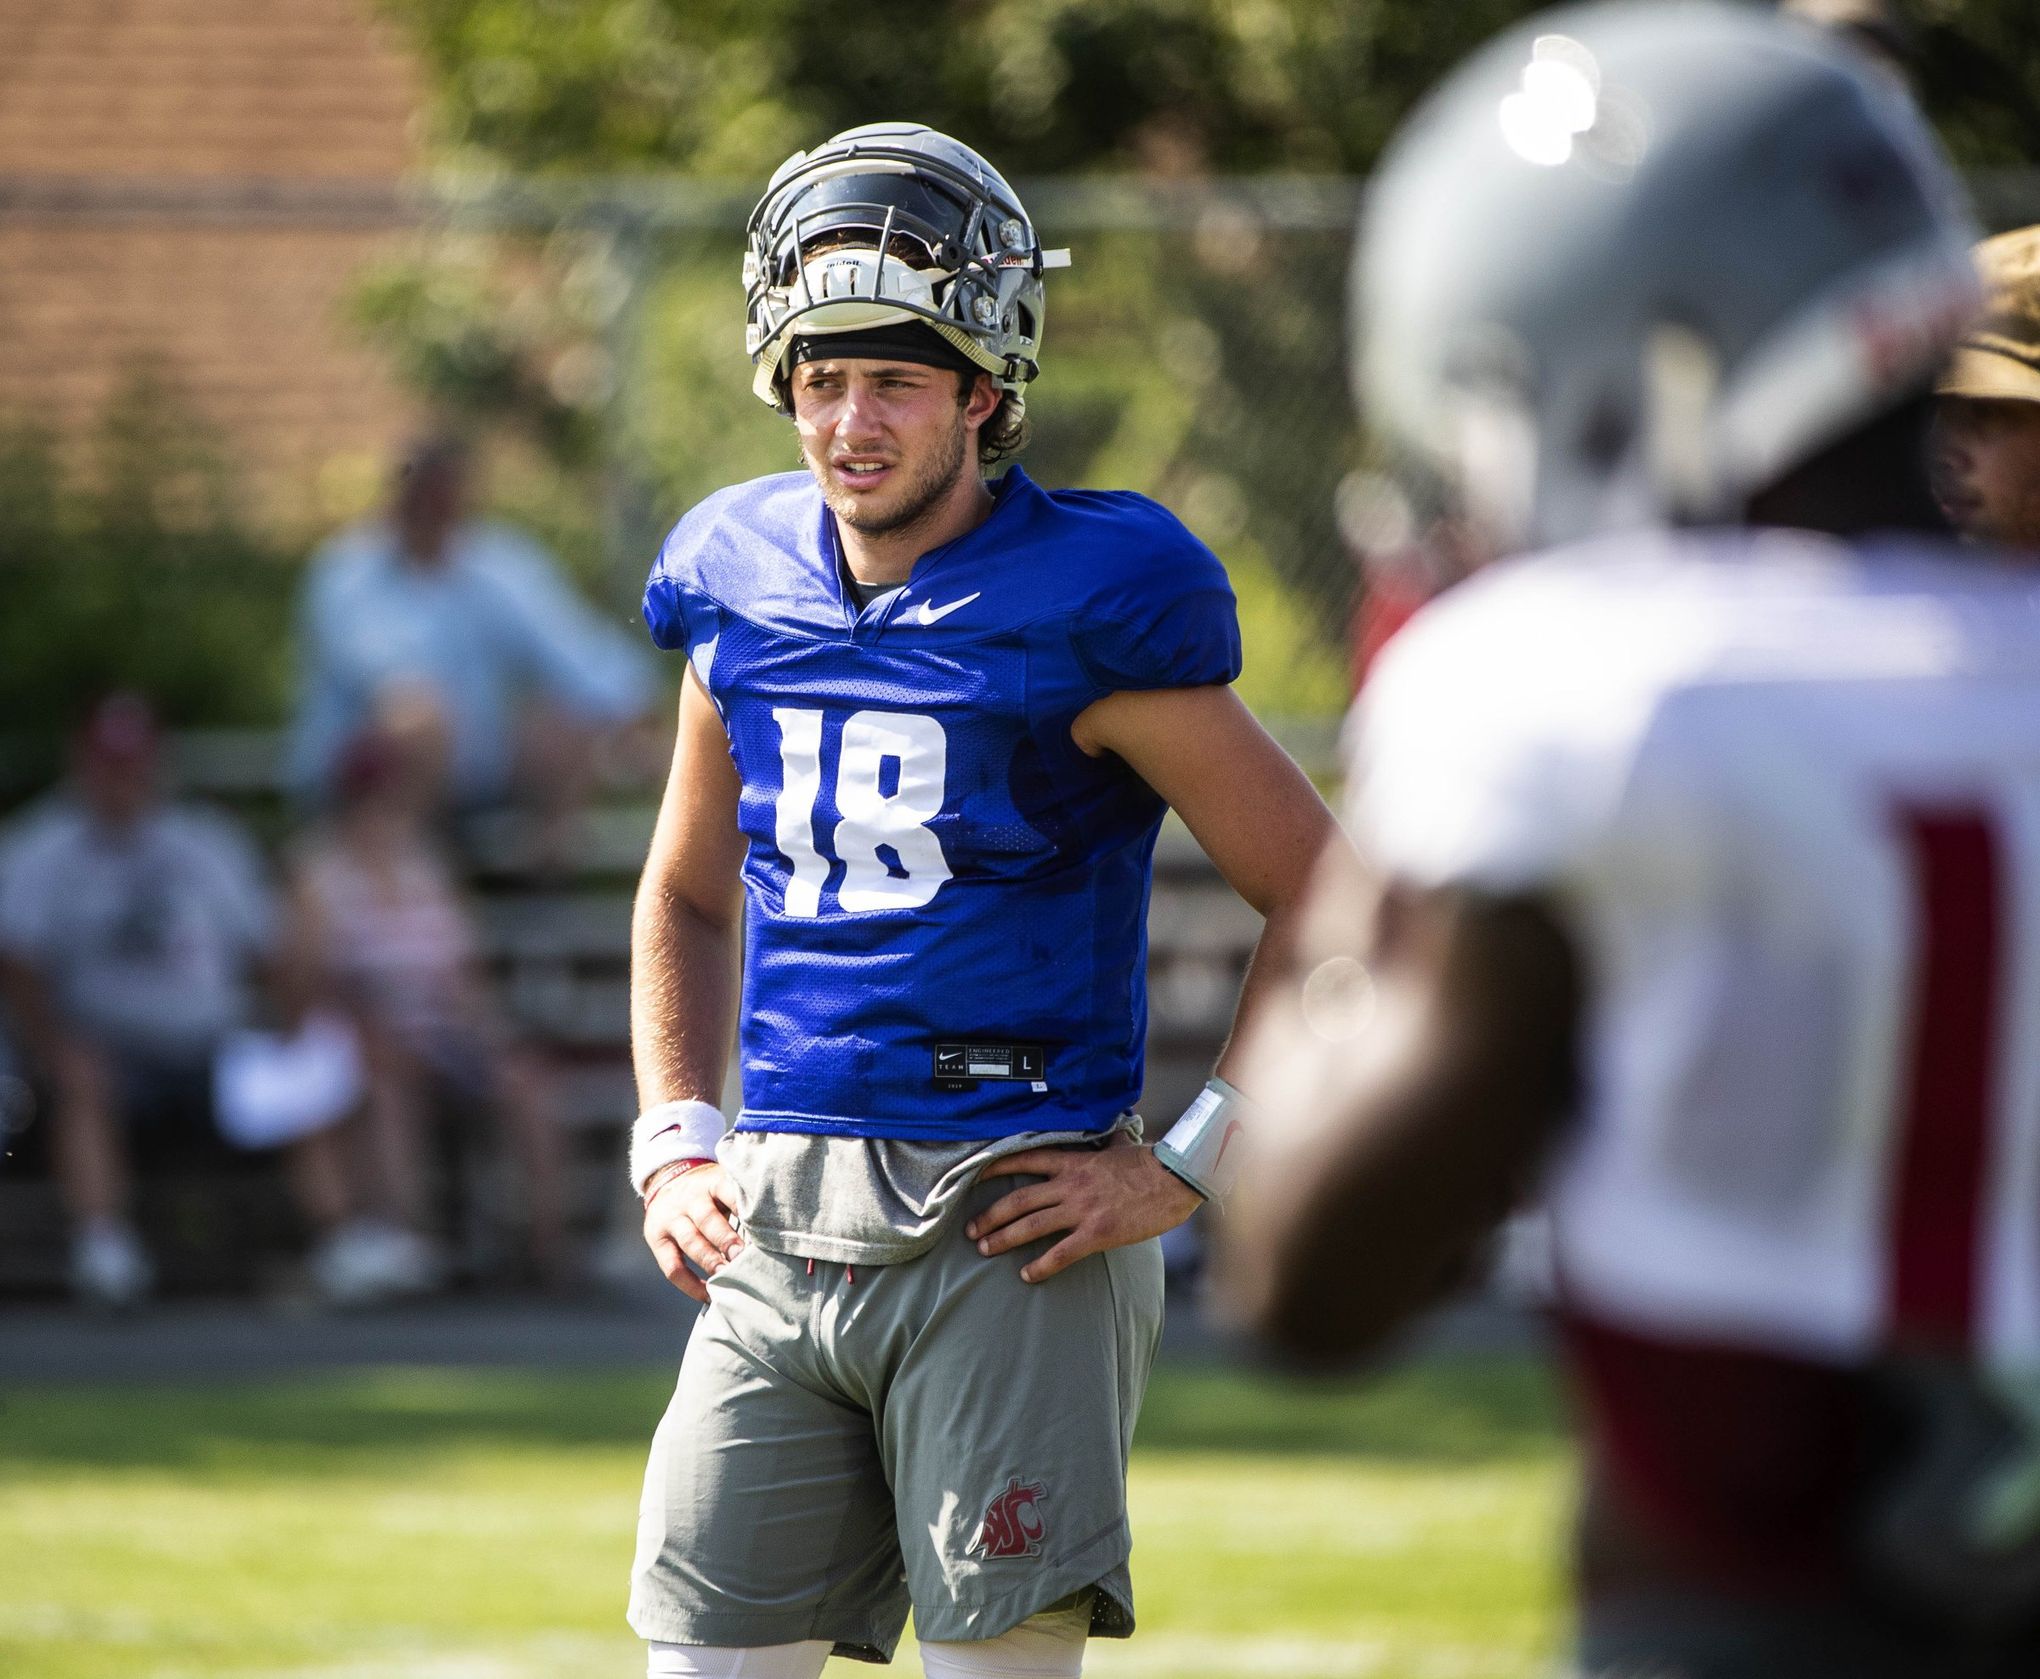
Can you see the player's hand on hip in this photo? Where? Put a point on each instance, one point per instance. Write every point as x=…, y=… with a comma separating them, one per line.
x=688, y=1218
x=1099, y=1198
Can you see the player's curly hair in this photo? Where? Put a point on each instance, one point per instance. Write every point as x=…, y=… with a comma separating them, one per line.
x=1006, y=433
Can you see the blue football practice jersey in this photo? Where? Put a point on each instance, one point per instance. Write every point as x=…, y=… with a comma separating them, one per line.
x=946, y=900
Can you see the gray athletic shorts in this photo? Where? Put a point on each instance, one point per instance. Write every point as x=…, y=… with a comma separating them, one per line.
x=935, y=1433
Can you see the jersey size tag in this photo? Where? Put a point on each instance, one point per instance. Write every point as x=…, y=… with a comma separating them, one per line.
x=960, y=1065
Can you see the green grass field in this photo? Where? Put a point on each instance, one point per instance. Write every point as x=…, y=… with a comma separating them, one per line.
x=477, y=1525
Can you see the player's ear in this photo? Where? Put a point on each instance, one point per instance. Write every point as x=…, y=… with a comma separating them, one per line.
x=979, y=399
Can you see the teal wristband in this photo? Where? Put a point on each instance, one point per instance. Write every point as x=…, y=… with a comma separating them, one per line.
x=1199, y=1147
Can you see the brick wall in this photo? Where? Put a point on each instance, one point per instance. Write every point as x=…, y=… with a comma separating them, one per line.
x=114, y=116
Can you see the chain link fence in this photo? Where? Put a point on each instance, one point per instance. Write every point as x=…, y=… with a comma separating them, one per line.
x=1195, y=351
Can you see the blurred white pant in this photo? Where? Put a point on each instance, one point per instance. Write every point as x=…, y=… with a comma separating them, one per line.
x=713, y=1661
x=1049, y=1646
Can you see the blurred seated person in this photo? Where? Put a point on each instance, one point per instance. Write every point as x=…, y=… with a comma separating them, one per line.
x=1987, y=408
x=375, y=907
x=134, y=936
x=430, y=610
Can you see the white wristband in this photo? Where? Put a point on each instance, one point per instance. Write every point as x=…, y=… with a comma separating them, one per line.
x=685, y=1130
x=1197, y=1148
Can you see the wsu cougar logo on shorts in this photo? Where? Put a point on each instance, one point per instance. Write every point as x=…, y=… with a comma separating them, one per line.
x=1013, y=1526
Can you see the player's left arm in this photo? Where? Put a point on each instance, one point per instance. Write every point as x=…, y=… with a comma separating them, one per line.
x=1262, y=823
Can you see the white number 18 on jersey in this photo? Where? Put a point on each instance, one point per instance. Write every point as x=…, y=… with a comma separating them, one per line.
x=867, y=817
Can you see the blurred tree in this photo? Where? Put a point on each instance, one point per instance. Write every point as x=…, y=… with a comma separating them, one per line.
x=729, y=87
x=490, y=342
x=1175, y=88
x=1976, y=68
x=1204, y=364
x=131, y=567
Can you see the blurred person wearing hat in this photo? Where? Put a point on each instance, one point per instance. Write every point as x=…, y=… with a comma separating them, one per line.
x=1987, y=421
x=464, y=629
x=378, y=916
x=1700, y=840
x=135, y=935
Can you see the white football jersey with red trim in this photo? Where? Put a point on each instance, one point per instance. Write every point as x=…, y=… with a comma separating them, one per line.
x=1785, y=793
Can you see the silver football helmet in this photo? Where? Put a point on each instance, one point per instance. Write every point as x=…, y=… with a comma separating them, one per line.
x=890, y=223
x=1633, y=261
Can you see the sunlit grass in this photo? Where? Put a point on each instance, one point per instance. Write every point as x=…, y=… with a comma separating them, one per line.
x=477, y=1525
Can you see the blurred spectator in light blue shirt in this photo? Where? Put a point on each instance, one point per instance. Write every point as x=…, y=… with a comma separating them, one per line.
x=462, y=631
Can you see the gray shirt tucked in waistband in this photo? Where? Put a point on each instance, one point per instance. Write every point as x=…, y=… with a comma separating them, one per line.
x=866, y=1200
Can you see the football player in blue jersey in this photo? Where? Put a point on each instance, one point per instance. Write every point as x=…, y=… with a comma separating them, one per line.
x=927, y=735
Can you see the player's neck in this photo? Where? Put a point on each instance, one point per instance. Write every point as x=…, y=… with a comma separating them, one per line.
x=886, y=557
x=423, y=544
x=1874, y=479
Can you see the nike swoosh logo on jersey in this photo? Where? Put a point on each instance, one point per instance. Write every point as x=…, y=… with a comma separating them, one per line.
x=931, y=612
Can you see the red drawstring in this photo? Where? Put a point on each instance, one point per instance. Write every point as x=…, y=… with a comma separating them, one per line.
x=849, y=1271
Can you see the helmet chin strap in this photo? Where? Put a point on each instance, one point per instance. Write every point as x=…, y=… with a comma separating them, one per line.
x=1494, y=447
x=1681, y=380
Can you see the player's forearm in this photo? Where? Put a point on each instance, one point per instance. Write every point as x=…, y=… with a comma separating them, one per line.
x=683, y=995
x=1314, y=847
x=1406, y=1115
x=1354, y=1218
x=1273, y=960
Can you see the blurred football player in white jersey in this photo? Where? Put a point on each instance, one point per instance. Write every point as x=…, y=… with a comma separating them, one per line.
x=1703, y=853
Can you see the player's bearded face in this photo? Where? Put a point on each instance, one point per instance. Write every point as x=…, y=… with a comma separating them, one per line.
x=886, y=443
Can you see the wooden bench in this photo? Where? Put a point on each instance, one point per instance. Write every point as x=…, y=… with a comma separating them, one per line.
x=559, y=951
